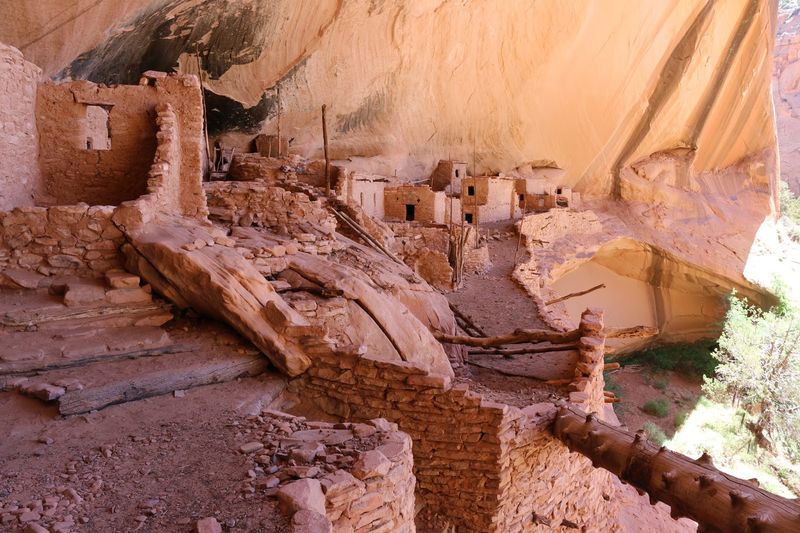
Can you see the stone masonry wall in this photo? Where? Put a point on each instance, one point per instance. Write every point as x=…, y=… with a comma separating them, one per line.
x=456, y=449
x=78, y=239
x=73, y=173
x=19, y=141
x=425, y=249
x=480, y=465
x=248, y=203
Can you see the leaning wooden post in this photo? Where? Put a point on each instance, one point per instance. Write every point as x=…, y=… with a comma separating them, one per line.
x=325, y=149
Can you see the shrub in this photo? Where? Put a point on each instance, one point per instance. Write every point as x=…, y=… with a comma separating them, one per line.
x=680, y=418
x=659, y=408
x=693, y=359
x=660, y=384
x=654, y=433
x=759, y=370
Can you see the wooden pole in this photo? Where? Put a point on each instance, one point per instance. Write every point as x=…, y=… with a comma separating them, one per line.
x=203, y=104
x=575, y=294
x=279, y=121
x=522, y=220
x=468, y=321
x=475, y=205
x=526, y=351
x=325, y=148
x=693, y=488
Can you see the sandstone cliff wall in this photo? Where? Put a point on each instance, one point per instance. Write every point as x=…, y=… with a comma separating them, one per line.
x=591, y=86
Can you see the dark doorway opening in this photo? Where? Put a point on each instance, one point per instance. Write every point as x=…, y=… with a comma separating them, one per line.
x=470, y=190
x=468, y=218
x=410, y=212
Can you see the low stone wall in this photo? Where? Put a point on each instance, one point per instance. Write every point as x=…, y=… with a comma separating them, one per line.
x=254, y=203
x=76, y=239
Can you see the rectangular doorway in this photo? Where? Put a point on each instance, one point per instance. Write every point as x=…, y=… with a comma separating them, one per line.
x=410, y=212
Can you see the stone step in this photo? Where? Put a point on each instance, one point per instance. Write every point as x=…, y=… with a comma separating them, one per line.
x=36, y=351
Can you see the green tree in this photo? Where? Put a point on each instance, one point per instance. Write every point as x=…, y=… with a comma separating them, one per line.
x=789, y=203
x=759, y=370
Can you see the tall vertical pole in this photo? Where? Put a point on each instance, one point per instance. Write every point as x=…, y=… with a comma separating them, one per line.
x=203, y=105
x=475, y=181
x=325, y=148
x=279, y=121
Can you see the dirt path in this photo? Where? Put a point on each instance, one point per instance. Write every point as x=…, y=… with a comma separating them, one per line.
x=493, y=300
x=497, y=304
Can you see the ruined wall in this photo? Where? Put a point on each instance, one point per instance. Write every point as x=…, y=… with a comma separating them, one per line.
x=349, y=477
x=481, y=465
x=76, y=239
x=75, y=170
x=377, y=495
x=248, y=203
x=425, y=249
x=19, y=142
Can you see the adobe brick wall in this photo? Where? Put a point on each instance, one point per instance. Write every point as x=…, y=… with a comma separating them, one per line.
x=19, y=141
x=73, y=174
x=430, y=206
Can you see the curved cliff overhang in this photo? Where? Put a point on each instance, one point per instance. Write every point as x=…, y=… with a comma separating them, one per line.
x=593, y=85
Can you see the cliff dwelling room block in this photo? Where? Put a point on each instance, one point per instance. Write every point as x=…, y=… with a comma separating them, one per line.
x=373, y=267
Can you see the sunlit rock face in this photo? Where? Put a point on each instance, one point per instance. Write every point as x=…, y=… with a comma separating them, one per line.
x=659, y=113
x=589, y=86
x=786, y=88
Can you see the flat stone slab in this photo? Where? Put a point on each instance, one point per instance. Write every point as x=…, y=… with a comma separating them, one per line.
x=331, y=437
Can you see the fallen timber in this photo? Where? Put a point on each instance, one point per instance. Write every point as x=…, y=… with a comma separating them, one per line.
x=520, y=336
x=692, y=488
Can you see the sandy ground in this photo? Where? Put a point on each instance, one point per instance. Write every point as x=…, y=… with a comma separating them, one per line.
x=152, y=465
x=497, y=304
x=639, y=385
x=493, y=300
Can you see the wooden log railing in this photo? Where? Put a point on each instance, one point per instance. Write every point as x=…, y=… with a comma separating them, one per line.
x=520, y=336
x=695, y=489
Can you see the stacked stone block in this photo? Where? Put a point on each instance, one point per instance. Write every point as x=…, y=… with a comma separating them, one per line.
x=76, y=239
x=254, y=203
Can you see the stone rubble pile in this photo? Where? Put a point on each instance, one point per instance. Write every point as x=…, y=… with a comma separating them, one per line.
x=325, y=476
